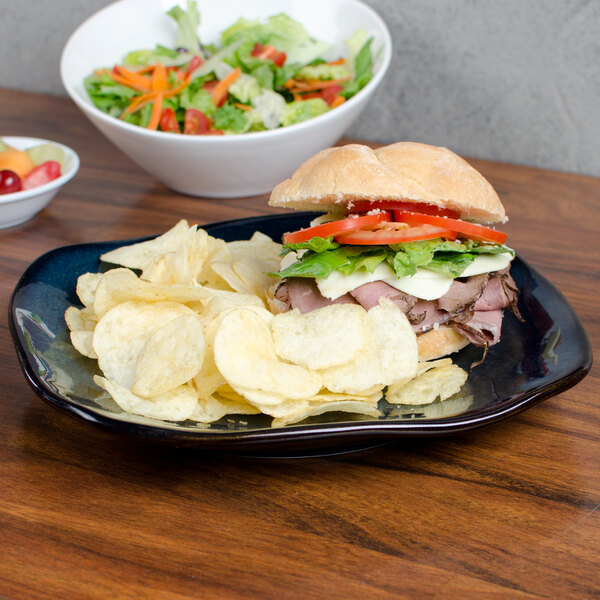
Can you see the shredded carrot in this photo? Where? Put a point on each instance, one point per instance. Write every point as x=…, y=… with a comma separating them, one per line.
x=159, y=81
x=221, y=88
x=242, y=106
x=156, y=112
x=138, y=81
x=312, y=85
x=339, y=61
x=128, y=83
x=138, y=102
x=174, y=91
x=154, y=89
x=337, y=101
x=146, y=69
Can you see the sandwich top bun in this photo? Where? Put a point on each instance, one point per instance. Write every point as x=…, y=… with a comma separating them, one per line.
x=411, y=171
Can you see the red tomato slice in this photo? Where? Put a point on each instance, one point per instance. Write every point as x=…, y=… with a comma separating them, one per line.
x=334, y=228
x=363, y=206
x=194, y=64
x=463, y=228
x=384, y=236
x=279, y=59
x=196, y=122
x=168, y=120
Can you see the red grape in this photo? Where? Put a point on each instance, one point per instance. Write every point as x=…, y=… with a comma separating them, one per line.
x=9, y=182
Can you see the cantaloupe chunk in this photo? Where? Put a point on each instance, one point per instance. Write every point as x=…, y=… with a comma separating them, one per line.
x=16, y=160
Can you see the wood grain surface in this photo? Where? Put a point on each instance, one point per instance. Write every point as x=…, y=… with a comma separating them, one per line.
x=510, y=511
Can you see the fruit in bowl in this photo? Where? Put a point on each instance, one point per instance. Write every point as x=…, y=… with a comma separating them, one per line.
x=32, y=171
x=29, y=168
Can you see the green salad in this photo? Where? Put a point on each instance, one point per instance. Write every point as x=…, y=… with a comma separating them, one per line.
x=259, y=76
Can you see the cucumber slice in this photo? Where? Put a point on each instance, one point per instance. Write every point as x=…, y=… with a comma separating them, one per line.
x=40, y=154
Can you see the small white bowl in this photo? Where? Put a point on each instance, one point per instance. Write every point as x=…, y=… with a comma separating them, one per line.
x=219, y=166
x=18, y=207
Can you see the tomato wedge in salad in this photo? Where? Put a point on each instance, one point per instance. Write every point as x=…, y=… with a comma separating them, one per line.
x=334, y=228
x=385, y=235
x=471, y=231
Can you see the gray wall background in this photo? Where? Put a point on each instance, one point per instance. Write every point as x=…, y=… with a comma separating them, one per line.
x=510, y=80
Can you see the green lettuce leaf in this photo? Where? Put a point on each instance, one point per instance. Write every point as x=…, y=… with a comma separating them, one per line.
x=316, y=244
x=322, y=256
x=302, y=110
x=363, y=70
x=323, y=71
x=230, y=118
x=188, y=22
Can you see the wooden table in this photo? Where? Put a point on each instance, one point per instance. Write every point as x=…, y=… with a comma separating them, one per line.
x=510, y=511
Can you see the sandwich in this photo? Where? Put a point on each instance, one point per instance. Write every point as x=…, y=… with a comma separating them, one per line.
x=410, y=222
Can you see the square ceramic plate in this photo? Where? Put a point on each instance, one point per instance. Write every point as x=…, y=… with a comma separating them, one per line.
x=543, y=356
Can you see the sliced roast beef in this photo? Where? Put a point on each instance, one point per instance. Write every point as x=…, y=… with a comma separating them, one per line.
x=511, y=290
x=473, y=307
x=463, y=294
x=425, y=315
x=483, y=328
x=494, y=295
x=305, y=295
x=368, y=295
x=282, y=293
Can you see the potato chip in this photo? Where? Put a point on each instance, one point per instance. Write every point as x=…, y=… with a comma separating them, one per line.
x=172, y=355
x=216, y=407
x=80, y=319
x=326, y=401
x=424, y=366
x=252, y=259
x=390, y=354
x=245, y=356
x=122, y=332
x=218, y=252
x=182, y=265
x=174, y=405
x=122, y=285
x=325, y=396
x=81, y=323
x=86, y=288
x=138, y=256
x=349, y=406
x=322, y=338
x=274, y=405
x=209, y=379
x=439, y=382
x=220, y=304
x=450, y=407
x=227, y=274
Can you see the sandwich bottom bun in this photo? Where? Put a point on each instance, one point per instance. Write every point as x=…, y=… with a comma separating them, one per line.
x=440, y=342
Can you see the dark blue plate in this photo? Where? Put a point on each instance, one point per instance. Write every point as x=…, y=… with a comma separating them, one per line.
x=543, y=356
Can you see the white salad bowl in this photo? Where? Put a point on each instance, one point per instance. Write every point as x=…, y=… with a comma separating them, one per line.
x=219, y=166
x=18, y=207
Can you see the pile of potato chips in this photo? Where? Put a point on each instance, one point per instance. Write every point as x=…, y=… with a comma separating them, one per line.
x=191, y=338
